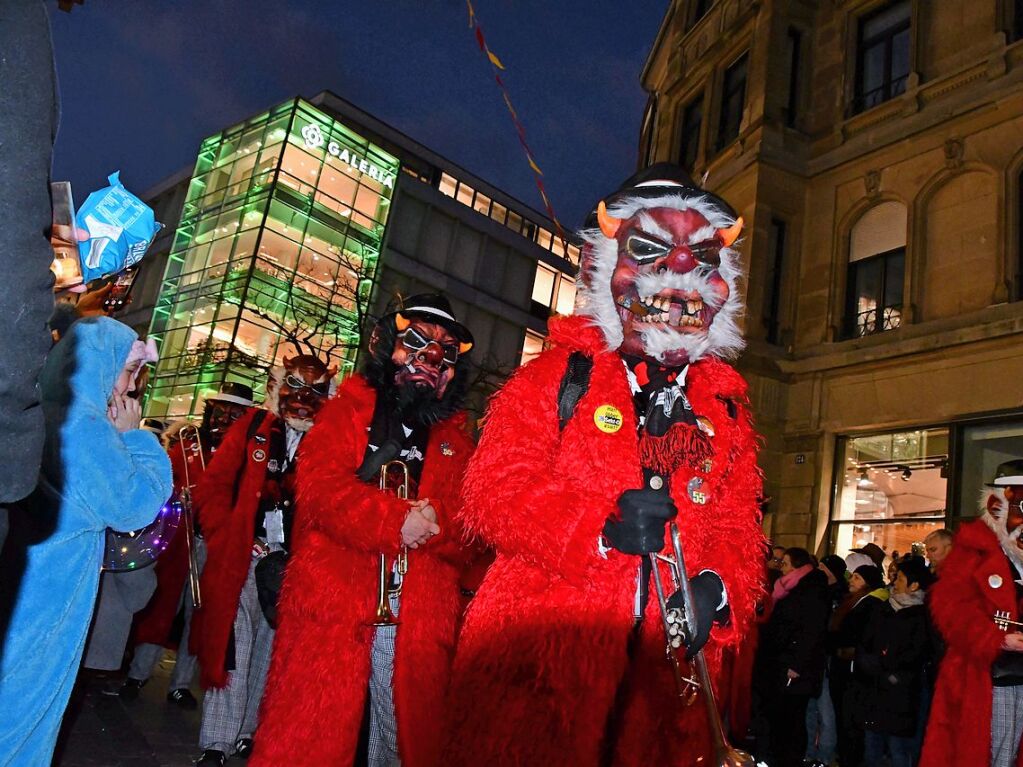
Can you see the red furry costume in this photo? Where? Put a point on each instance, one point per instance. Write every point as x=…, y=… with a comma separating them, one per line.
x=552, y=668
x=543, y=646
x=963, y=603
x=228, y=528
x=321, y=662
x=153, y=623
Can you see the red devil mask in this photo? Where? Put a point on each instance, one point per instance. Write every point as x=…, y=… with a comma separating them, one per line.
x=424, y=356
x=304, y=385
x=659, y=275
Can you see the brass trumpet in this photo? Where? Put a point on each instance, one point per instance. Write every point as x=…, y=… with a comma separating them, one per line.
x=188, y=514
x=673, y=620
x=384, y=616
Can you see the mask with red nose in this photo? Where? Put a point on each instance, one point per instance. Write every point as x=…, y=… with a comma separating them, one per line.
x=659, y=275
x=303, y=387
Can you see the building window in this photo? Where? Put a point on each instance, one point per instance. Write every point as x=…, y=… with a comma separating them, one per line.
x=882, y=55
x=773, y=279
x=700, y=8
x=877, y=257
x=891, y=490
x=794, y=43
x=447, y=185
x=733, y=100
x=691, y=118
x=531, y=346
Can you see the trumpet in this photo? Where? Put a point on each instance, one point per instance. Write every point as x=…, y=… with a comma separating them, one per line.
x=676, y=623
x=188, y=514
x=384, y=616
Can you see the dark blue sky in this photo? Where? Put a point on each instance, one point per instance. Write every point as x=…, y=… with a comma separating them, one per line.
x=142, y=82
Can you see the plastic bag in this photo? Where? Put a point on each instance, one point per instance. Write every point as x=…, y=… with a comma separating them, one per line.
x=121, y=228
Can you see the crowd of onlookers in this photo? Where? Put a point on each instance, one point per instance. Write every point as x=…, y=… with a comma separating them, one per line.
x=846, y=657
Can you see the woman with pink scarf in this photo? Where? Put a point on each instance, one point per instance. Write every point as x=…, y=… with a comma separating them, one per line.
x=790, y=661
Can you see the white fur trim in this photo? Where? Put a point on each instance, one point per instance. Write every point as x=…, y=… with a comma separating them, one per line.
x=997, y=521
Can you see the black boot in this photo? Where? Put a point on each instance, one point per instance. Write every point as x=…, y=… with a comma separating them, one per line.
x=211, y=758
x=182, y=698
x=130, y=689
x=243, y=748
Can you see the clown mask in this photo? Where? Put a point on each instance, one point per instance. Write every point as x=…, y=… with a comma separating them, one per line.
x=304, y=385
x=424, y=356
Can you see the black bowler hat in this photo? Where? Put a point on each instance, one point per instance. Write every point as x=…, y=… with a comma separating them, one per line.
x=658, y=180
x=435, y=308
x=233, y=392
x=1008, y=473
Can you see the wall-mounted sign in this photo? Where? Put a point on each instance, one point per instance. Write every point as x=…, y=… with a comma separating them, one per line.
x=314, y=139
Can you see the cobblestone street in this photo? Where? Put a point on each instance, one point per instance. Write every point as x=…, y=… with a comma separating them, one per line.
x=102, y=730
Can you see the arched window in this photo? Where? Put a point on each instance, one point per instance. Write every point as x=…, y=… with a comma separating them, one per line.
x=877, y=260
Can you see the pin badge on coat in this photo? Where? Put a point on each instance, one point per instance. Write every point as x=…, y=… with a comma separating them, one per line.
x=696, y=492
x=608, y=419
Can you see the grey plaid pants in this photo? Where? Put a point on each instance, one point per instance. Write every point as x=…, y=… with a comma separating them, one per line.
x=185, y=664
x=230, y=713
x=383, y=728
x=1006, y=725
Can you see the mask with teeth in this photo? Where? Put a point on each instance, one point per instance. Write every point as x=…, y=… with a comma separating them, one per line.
x=1003, y=513
x=659, y=276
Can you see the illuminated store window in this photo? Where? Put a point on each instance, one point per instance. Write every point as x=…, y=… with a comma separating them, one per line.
x=281, y=229
x=891, y=489
x=877, y=260
x=531, y=346
x=447, y=185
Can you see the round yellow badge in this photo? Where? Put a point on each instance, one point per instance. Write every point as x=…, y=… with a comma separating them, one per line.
x=608, y=418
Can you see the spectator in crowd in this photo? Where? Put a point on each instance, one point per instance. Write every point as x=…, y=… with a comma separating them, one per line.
x=99, y=470
x=867, y=596
x=977, y=714
x=938, y=546
x=875, y=553
x=821, y=728
x=790, y=662
x=774, y=565
x=891, y=658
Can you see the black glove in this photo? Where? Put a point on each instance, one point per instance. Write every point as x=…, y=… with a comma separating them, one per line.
x=644, y=514
x=707, y=592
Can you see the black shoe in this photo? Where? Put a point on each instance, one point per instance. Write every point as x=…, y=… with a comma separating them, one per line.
x=183, y=698
x=243, y=748
x=130, y=689
x=211, y=758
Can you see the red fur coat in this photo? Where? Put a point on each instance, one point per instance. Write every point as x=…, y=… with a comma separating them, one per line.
x=319, y=674
x=228, y=528
x=543, y=651
x=153, y=624
x=963, y=603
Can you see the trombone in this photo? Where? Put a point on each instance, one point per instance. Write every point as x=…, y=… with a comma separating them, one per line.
x=384, y=616
x=676, y=622
x=188, y=514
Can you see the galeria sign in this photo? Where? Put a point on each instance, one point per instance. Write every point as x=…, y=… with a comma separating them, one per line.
x=314, y=139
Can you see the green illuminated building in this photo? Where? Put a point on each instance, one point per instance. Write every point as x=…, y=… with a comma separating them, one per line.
x=281, y=229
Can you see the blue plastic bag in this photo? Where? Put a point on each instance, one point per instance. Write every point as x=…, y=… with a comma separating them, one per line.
x=121, y=228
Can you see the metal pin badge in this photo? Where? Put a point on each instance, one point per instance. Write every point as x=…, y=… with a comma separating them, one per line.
x=994, y=581
x=656, y=482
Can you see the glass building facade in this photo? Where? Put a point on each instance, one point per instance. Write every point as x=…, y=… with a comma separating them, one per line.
x=281, y=232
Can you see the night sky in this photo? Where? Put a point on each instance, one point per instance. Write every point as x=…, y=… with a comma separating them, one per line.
x=143, y=81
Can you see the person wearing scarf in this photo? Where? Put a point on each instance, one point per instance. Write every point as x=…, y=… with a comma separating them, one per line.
x=790, y=662
x=890, y=660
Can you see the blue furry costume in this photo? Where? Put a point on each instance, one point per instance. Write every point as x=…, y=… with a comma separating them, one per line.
x=92, y=477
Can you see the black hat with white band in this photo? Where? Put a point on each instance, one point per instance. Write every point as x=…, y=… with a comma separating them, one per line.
x=233, y=392
x=1008, y=473
x=435, y=308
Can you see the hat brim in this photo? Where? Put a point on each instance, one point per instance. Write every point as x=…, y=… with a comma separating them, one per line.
x=234, y=399
x=1012, y=479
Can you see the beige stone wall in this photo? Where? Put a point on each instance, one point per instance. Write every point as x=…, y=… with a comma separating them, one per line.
x=950, y=150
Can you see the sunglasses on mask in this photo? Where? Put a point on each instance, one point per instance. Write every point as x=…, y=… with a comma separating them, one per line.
x=416, y=341
x=293, y=382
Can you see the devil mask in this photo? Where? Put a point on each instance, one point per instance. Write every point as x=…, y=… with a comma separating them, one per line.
x=659, y=275
x=1003, y=508
x=418, y=358
x=303, y=386
x=223, y=409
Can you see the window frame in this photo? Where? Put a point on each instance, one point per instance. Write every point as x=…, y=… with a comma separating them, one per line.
x=851, y=316
x=728, y=92
x=890, y=87
x=685, y=131
x=774, y=279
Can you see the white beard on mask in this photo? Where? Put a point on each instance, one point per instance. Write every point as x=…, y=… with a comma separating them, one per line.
x=997, y=519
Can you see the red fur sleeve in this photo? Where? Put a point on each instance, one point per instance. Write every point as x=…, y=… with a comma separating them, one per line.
x=515, y=501
x=446, y=497
x=963, y=617
x=733, y=544
x=331, y=499
x=213, y=496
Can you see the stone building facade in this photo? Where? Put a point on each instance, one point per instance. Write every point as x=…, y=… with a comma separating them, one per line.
x=875, y=151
